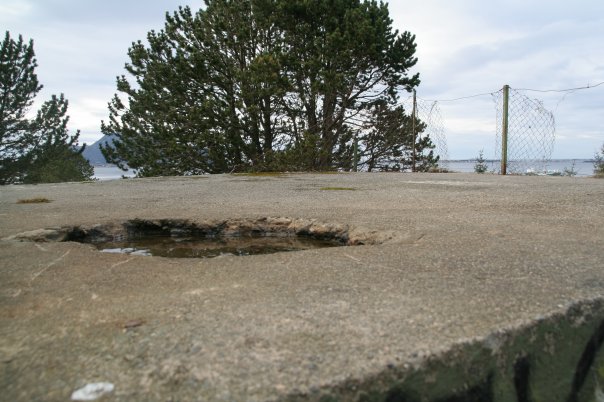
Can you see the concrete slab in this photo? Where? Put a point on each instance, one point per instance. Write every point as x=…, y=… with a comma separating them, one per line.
x=492, y=289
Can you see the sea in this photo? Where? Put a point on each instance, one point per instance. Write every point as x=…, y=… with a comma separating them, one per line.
x=110, y=172
x=554, y=167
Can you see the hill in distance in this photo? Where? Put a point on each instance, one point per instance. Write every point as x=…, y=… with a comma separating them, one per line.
x=93, y=152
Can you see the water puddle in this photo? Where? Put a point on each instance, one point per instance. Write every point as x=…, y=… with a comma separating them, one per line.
x=180, y=238
x=175, y=247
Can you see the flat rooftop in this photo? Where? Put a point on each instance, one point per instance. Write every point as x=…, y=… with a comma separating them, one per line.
x=463, y=284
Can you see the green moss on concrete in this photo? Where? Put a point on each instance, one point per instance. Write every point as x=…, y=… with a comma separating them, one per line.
x=261, y=174
x=37, y=200
x=556, y=359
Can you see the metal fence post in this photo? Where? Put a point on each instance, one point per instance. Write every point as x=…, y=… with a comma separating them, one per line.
x=504, y=130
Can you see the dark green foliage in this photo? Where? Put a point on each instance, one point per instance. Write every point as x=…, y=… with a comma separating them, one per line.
x=481, y=165
x=261, y=85
x=204, y=97
x=39, y=149
x=59, y=164
x=599, y=163
x=425, y=159
x=387, y=143
x=54, y=156
x=344, y=60
x=18, y=88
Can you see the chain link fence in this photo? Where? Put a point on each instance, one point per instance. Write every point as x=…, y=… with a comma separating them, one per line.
x=429, y=113
x=529, y=131
x=530, y=135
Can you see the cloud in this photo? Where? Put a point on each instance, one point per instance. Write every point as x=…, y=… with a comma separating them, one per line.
x=81, y=47
x=465, y=47
x=12, y=9
x=470, y=47
x=98, y=13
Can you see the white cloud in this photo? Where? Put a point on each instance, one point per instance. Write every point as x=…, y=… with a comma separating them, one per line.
x=81, y=47
x=86, y=115
x=468, y=47
x=14, y=9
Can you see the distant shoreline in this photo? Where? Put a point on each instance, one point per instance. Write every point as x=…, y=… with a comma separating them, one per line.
x=581, y=160
x=583, y=168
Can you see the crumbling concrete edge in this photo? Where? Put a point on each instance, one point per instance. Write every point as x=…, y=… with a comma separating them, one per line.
x=553, y=358
x=269, y=226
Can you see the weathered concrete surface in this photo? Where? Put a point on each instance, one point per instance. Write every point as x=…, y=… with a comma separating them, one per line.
x=493, y=290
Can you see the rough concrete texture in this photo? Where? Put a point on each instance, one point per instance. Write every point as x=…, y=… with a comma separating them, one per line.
x=486, y=288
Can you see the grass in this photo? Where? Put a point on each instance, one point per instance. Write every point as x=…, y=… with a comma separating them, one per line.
x=337, y=189
x=281, y=174
x=261, y=174
x=37, y=200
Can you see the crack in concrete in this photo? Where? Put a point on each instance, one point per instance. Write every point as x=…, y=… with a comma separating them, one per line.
x=37, y=274
x=117, y=264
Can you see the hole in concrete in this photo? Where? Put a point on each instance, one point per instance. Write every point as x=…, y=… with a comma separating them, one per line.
x=184, y=239
x=178, y=238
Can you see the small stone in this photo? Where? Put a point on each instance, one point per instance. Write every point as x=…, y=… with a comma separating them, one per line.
x=92, y=391
x=133, y=324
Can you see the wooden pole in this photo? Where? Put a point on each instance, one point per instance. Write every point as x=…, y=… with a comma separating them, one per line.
x=504, y=129
x=355, y=158
x=413, y=128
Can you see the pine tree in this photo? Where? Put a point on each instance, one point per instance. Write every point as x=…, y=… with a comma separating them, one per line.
x=18, y=88
x=599, y=163
x=261, y=85
x=204, y=98
x=344, y=59
x=55, y=156
x=387, y=145
x=480, y=166
x=38, y=149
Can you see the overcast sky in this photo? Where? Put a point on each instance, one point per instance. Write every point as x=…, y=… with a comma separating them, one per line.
x=465, y=47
